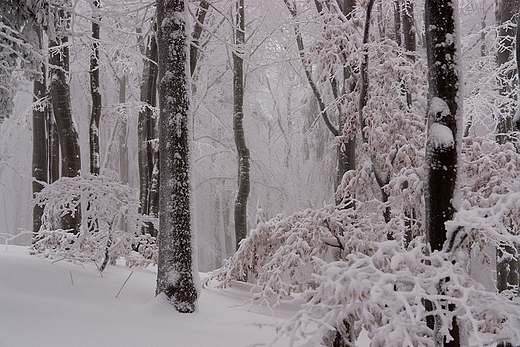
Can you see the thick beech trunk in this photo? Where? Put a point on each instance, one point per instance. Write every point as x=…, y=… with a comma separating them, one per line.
x=68, y=136
x=238, y=127
x=444, y=122
x=175, y=264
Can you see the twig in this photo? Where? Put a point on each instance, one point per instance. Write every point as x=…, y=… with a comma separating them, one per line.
x=124, y=284
x=71, y=280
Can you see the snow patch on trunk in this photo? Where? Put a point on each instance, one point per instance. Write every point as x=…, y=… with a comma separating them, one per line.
x=441, y=136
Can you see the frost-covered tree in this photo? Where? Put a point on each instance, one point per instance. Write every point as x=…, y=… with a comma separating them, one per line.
x=59, y=51
x=444, y=129
x=238, y=127
x=95, y=93
x=175, y=265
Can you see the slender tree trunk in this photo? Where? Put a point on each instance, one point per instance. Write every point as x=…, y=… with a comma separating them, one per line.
x=148, y=92
x=123, y=135
x=409, y=44
x=40, y=153
x=444, y=125
x=197, y=32
x=96, y=96
x=54, y=147
x=68, y=136
x=507, y=256
x=505, y=12
x=238, y=127
x=175, y=264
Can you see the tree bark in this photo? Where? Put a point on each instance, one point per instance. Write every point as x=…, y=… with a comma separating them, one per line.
x=96, y=96
x=197, y=32
x=238, y=127
x=507, y=258
x=144, y=129
x=444, y=121
x=68, y=136
x=40, y=152
x=175, y=263
x=505, y=12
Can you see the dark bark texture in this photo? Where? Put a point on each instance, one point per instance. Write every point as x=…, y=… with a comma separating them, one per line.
x=146, y=131
x=68, y=136
x=197, y=32
x=40, y=153
x=507, y=255
x=175, y=263
x=238, y=127
x=505, y=12
x=443, y=109
x=96, y=96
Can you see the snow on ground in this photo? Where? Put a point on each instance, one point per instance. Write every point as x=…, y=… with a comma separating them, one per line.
x=57, y=304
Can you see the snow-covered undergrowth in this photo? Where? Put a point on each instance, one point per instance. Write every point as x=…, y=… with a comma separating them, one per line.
x=348, y=272
x=48, y=303
x=110, y=224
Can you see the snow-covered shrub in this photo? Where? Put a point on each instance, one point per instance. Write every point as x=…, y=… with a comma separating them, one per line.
x=384, y=291
x=110, y=226
x=279, y=253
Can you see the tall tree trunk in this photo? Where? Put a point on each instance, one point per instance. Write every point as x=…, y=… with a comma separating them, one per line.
x=144, y=129
x=507, y=257
x=505, y=12
x=40, y=152
x=409, y=44
x=68, y=136
x=444, y=125
x=175, y=264
x=238, y=127
x=96, y=96
x=347, y=152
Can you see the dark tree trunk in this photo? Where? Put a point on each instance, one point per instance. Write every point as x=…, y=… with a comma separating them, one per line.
x=40, y=153
x=505, y=12
x=444, y=122
x=397, y=21
x=409, y=44
x=238, y=127
x=346, y=155
x=197, y=32
x=144, y=129
x=68, y=136
x=507, y=257
x=96, y=96
x=54, y=147
x=175, y=264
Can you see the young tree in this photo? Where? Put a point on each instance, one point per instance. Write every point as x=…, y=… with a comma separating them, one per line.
x=444, y=127
x=175, y=262
x=238, y=127
x=95, y=93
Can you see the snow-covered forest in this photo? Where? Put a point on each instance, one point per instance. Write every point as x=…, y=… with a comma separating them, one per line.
x=355, y=160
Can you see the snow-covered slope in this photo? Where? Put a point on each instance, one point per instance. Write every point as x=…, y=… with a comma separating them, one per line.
x=57, y=304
